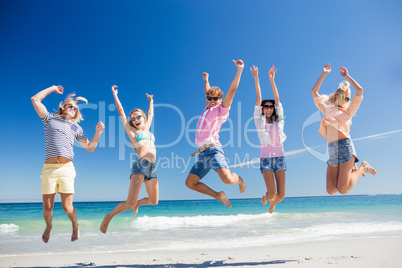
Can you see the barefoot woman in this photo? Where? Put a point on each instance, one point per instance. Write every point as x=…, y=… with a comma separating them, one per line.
x=342, y=173
x=269, y=121
x=143, y=169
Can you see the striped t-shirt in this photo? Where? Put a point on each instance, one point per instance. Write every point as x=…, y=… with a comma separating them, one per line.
x=60, y=135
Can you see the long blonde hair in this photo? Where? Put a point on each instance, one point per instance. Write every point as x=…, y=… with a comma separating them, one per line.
x=344, y=87
x=69, y=99
x=143, y=114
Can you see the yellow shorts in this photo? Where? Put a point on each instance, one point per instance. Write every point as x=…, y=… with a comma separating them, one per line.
x=57, y=178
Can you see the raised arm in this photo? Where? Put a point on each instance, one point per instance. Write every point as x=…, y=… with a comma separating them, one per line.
x=326, y=70
x=119, y=106
x=150, y=110
x=91, y=145
x=227, y=101
x=207, y=86
x=345, y=74
x=254, y=72
x=271, y=74
x=37, y=99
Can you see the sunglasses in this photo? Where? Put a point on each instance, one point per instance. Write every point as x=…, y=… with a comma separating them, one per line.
x=138, y=117
x=213, y=98
x=347, y=99
x=269, y=106
x=72, y=107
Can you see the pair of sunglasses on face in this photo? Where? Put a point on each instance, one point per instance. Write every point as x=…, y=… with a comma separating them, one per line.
x=72, y=107
x=213, y=98
x=269, y=106
x=134, y=118
x=346, y=99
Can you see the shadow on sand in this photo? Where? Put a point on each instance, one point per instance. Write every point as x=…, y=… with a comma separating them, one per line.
x=176, y=265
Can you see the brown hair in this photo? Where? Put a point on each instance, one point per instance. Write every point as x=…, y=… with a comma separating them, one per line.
x=69, y=99
x=137, y=110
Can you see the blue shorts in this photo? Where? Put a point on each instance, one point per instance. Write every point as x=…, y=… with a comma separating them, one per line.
x=341, y=151
x=273, y=164
x=143, y=166
x=213, y=157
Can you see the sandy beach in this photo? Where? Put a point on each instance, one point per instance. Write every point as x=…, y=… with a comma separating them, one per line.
x=367, y=252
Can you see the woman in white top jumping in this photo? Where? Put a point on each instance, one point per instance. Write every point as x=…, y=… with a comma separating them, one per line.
x=268, y=118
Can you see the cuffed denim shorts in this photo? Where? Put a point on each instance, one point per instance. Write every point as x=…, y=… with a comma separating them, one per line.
x=341, y=151
x=211, y=158
x=143, y=166
x=273, y=164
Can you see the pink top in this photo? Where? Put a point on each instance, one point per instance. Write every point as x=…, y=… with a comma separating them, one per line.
x=209, y=124
x=338, y=117
x=275, y=149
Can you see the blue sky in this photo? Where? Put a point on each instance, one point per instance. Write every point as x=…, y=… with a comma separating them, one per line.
x=162, y=48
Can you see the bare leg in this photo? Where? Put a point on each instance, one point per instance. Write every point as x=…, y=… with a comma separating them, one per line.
x=193, y=182
x=231, y=178
x=348, y=177
x=270, y=184
x=356, y=168
x=133, y=193
x=67, y=202
x=153, y=195
x=280, y=179
x=48, y=202
x=332, y=179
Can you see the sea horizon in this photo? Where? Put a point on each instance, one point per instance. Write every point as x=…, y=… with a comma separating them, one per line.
x=27, y=201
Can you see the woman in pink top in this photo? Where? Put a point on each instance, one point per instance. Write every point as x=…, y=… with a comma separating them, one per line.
x=342, y=172
x=268, y=118
x=211, y=155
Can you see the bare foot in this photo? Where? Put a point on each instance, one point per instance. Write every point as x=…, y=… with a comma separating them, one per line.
x=222, y=197
x=355, y=168
x=105, y=223
x=46, y=234
x=135, y=211
x=242, y=185
x=368, y=168
x=264, y=201
x=272, y=206
x=76, y=233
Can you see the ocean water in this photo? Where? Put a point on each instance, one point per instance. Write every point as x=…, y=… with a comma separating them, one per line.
x=201, y=224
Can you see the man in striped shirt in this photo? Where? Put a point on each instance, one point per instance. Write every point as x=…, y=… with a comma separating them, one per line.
x=58, y=173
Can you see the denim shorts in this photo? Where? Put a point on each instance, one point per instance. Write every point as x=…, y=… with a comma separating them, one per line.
x=341, y=151
x=143, y=166
x=273, y=164
x=213, y=157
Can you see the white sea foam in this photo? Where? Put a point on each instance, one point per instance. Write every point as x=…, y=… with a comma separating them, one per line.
x=289, y=236
x=164, y=222
x=339, y=229
x=146, y=222
x=8, y=228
